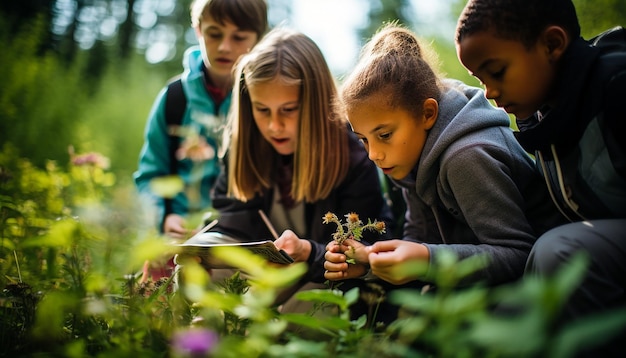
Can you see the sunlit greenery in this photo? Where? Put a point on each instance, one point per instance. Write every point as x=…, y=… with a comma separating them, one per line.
x=73, y=237
x=72, y=245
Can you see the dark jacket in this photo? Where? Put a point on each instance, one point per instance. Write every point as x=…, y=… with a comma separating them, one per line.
x=578, y=141
x=360, y=192
x=474, y=190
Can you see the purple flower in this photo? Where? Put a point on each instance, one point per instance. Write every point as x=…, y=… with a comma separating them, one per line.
x=194, y=342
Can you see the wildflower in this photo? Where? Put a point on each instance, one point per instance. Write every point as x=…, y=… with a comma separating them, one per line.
x=354, y=227
x=195, y=148
x=93, y=159
x=194, y=342
x=330, y=217
x=379, y=226
x=352, y=217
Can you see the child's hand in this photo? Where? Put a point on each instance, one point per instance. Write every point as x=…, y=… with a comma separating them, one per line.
x=298, y=249
x=355, y=252
x=386, y=259
x=174, y=226
x=336, y=265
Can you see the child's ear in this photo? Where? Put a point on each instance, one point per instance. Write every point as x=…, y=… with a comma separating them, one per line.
x=556, y=40
x=430, y=112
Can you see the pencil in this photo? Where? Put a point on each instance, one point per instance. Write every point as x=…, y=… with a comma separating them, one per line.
x=268, y=224
x=205, y=228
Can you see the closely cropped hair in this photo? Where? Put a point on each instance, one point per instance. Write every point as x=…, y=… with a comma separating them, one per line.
x=518, y=20
x=395, y=64
x=321, y=157
x=248, y=15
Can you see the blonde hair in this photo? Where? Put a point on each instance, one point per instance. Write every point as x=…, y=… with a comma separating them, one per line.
x=395, y=64
x=321, y=156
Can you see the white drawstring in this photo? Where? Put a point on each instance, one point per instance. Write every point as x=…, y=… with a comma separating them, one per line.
x=545, y=176
x=572, y=205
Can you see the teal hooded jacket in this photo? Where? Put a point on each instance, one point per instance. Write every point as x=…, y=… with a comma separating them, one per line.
x=201, y=116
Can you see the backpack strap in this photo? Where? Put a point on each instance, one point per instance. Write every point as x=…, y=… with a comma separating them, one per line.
x=175, y=105
x=611, y=40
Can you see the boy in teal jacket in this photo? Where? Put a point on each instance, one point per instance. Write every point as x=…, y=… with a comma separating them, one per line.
x=225, y=30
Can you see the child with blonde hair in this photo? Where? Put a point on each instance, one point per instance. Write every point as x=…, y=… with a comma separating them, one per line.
x=291, y=155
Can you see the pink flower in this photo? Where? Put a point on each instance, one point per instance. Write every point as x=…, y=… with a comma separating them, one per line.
x=89, y=159
x=195, y=148
x=194, y=342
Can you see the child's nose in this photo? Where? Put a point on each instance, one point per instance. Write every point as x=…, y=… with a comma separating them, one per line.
x=491, y=92
x=374, y=155
x=275, y=123
x=225, y=45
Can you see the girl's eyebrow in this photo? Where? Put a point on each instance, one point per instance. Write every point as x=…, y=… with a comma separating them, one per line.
x=257, y=103
x=484, y=65
x=378, y=127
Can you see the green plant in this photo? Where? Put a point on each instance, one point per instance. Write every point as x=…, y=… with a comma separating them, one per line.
x=71, y=247
x=352, y=229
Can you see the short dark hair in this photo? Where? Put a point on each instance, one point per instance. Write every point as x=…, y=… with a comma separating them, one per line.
x=248, y=15
x=519, y=20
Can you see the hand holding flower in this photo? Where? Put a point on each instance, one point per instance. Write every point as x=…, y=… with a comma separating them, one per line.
x=336, y=264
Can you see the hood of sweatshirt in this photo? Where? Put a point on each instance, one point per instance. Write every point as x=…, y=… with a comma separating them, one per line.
x=193, y=84
x=463, y=113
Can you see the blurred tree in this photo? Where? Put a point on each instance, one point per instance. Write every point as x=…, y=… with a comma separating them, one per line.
x=17, y=12
x=126, y=30
x=39, y=97
x=596, y=16
x=384, y=11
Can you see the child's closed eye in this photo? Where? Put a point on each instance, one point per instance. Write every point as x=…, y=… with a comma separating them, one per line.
x=498, y=74
x=290, y=109
x=385, y=136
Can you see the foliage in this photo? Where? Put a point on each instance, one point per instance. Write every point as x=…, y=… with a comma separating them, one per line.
x=596, y=16
x=70, y=250
x=31, y=105
x=353, y=227
x=113, y=120
x=46, y=107
x=72, y=238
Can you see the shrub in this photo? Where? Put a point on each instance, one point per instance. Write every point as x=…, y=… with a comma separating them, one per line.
x=72, y=246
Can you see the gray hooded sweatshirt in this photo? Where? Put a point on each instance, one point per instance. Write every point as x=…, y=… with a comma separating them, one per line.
x=474, y=189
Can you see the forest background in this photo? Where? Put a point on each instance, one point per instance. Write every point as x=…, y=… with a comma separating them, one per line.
x=84, y=73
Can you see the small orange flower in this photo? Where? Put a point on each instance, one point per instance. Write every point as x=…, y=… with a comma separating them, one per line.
x=329, y=217
x=379, y=226
x=353, y=217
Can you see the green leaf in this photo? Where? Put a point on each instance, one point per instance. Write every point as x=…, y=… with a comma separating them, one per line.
x=588, y=332
x=323, y=296
x=61, y=233
x=167, y=186
x=521, y=335
x=412, y=300
x=326, y=324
